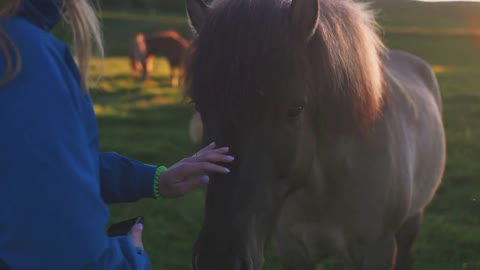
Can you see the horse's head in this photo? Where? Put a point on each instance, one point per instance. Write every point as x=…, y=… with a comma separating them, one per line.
x=255, y=77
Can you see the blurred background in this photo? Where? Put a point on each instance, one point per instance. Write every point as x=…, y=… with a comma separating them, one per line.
x=149, y=121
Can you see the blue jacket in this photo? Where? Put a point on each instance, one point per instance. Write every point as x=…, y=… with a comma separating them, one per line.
x=54, y=181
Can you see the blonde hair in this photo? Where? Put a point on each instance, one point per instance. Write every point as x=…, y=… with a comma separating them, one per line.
x=86, y=30
x=6, y=44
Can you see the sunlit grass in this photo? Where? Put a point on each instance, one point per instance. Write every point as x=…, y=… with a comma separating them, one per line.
x=118, y=91
x=438, y=69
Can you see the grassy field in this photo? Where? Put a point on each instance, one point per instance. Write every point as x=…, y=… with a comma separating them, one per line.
x=149, y=122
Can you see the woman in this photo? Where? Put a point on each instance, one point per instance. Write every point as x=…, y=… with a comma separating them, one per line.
x=54, y=182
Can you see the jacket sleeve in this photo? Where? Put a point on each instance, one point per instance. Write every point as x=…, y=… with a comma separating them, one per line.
x=53, y=215
x=125, y=180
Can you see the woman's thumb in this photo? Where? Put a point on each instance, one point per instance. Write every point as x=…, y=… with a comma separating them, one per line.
x=136, y=235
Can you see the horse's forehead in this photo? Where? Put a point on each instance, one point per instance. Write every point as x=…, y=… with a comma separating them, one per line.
x=245, y=65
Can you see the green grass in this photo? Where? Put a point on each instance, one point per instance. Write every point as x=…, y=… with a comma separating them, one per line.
x=149, y=122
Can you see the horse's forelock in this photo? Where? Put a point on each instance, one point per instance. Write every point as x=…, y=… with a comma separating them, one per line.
x=250, y=59
x=241, y=61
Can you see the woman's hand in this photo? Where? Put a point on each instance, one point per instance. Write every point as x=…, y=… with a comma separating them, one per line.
x=136, y=235
x=192, y=172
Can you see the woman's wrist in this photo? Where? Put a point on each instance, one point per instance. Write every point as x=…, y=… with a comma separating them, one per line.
x=156, y=181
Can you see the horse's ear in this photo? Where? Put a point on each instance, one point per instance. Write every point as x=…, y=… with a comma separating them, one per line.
x=196, y=12
x=305, y=15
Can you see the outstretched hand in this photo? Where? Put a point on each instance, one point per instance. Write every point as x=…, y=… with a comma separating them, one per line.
x=192, y=172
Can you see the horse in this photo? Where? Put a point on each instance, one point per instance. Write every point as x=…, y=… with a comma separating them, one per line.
x=196, y=129
x=339, y=142
x=169, y=43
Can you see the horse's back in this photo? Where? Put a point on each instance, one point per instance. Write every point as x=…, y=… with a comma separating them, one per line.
x=169, y=43
x=412, y=68
x=415, y=110
x=169, y=36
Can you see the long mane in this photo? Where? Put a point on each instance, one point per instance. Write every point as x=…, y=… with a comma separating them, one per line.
x=248, y=59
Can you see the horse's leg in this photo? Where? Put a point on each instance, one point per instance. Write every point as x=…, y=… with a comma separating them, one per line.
x=174, y=77
x=147, y=66
x=138, y=68
x=144, y=69
x=181, y=76
x=405, y=239
x=150, y=60
x=377, y=255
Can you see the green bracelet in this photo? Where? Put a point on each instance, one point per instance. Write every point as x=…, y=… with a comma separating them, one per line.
x=156, y=181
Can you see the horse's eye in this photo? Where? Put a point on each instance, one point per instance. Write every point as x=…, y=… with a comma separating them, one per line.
x=295, y=111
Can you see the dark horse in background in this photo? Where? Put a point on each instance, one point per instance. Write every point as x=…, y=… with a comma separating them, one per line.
x=339, y=142
x=170, y=44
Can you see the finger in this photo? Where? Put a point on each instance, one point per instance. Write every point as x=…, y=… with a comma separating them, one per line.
x=136, y=235
x=212, y=157
x=222, y=150
x=195, y=183
x=208, y=147
x=200, y=155
x=203, y=168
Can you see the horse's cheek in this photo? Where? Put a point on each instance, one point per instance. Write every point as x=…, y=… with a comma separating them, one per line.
x=295, y=150
x=304, y=154
x=284, y=145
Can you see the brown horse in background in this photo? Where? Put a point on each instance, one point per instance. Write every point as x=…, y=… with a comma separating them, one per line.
x=171, y=44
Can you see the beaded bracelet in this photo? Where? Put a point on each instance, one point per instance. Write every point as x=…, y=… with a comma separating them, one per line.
x=156, y=181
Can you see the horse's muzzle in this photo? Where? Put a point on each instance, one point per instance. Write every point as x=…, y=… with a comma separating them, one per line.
x=217, y=262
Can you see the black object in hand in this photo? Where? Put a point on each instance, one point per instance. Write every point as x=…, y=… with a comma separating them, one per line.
x=124, y=227
x=4, y=266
